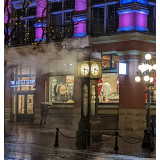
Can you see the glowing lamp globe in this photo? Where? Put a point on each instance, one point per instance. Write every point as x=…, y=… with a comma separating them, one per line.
x=140, y=67
x=146, y=78
x=137, y=78
x=150, y=67
x=154, y=67
x=151, y=79
x=148, y=56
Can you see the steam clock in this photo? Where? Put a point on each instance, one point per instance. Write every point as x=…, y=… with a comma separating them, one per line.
x=89, y=71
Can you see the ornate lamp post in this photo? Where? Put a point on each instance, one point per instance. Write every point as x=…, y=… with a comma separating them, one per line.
x=146, y=71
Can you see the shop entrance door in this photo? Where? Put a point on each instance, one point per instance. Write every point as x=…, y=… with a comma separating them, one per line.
x=25, y=108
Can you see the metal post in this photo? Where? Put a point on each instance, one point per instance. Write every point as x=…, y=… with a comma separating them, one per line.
x=56, y=140
x=116, y=142
x=86, y=140
x=148, y=108
x=148, y=140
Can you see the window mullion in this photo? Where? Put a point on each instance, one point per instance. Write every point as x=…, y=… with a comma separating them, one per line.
x=105, y=18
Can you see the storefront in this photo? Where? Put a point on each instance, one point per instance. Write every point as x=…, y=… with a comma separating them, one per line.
x=23, y=87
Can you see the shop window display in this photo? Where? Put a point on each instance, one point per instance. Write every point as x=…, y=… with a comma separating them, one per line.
x=108, y=88
x=61, y=89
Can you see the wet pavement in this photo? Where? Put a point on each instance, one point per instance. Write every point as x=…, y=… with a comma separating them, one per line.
x=26, y=141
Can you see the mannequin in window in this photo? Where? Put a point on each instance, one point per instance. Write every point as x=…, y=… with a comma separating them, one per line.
x=106, y=89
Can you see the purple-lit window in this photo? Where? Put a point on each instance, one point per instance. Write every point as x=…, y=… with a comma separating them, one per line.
x=112, y=19
x=97, y=24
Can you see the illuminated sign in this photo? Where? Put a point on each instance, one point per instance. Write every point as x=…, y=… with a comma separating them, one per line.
x=122, y=68
x=144, y=2
x=21, y=83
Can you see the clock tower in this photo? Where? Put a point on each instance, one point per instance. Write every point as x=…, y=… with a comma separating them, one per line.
x=89, y=71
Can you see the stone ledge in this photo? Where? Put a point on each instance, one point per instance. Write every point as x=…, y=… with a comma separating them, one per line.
x=132, y=111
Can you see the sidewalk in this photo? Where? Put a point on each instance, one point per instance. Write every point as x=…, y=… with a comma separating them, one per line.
x=26, y=141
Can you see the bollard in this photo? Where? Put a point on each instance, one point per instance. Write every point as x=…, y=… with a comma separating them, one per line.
x=116, y=142
x=56, y=140
x=86, y=140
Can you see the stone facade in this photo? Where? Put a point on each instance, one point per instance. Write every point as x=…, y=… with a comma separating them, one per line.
x=132, y=122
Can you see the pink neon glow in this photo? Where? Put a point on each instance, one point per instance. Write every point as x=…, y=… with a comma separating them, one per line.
x=41, y=5
x=133, y=19
x=126, y=19
x=80, y=27
x=38, y=33
x=80, y=5
x=141, y=20
x=6, y=13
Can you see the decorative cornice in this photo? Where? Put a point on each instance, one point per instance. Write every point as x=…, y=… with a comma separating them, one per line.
x=123, y=37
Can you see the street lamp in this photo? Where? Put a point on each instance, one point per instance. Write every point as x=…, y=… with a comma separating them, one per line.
x=146, y=71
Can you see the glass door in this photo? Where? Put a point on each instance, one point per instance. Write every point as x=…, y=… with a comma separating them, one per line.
x=25, y=107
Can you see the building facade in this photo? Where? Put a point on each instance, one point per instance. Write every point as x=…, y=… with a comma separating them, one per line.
x=124, y=31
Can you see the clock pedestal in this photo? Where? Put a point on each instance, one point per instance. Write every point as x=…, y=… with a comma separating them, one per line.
x=89, y=113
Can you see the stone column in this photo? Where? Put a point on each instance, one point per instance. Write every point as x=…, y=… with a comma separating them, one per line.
x=40, y=10
x=8, y=97
x=132, y=112
x=80, y=28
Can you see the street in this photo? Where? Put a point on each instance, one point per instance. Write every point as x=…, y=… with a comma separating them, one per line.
x=26, y=141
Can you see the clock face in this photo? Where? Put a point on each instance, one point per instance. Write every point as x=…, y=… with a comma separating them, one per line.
x=84, y=69
x=95, y=69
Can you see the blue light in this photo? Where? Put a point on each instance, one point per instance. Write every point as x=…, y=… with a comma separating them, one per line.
x=79, y=18
x=38, y=39
x=123, y=2
x=22, y=85
x=132, y=28
x=126, y=28
x=98, y=5
x=80, y=34
x=9, y=30
x=19, y=4
x=131, y=11
x=39, y=24
x=126, y=1
x=141, y=28
x=144, y=2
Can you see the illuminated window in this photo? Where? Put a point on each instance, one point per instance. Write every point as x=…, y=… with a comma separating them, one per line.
x=61, y=89
x=110, y=61
x=108, y=88
x=106, y=62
